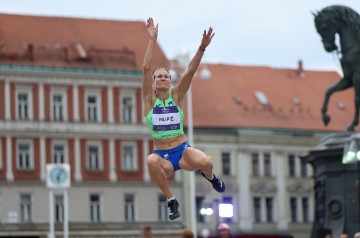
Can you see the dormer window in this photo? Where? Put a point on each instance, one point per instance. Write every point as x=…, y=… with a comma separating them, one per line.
x=296, y=101
x=261, y=97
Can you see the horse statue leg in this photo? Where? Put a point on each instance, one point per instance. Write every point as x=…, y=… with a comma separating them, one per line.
x=338, y=86
x=355, y=121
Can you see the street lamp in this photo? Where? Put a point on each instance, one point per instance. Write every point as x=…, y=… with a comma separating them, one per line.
x=183, y=61
x=208, y=211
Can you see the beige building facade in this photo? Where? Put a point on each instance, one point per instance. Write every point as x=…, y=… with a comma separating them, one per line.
x=269, y=186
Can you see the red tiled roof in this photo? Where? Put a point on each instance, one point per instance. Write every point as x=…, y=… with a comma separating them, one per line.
x=121, y=45
x=74, y=42
x=214, y=103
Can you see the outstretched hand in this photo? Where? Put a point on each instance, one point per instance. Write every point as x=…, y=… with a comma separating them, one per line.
x=151, y=28
x=207, y=37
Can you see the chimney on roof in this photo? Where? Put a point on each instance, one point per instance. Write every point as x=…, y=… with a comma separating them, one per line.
x=30, y=49
x=300, y=70
x=66, y=53
x=80, y=52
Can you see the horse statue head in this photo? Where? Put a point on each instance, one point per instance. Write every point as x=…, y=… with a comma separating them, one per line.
x=345, y=22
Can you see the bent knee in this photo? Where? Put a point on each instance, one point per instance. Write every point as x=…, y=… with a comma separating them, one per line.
x=153, y=160
x=156, y=163
x=207, y=162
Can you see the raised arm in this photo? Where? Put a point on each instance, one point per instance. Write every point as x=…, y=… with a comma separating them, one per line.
x=184, y=83
x=147, y=78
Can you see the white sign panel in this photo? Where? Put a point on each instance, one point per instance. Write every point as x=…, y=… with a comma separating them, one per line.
x=13, y=217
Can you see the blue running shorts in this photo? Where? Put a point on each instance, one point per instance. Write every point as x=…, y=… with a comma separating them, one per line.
x=173, y=155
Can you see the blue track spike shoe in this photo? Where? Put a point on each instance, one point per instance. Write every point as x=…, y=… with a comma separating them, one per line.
x=216, y=182
x=173, y=206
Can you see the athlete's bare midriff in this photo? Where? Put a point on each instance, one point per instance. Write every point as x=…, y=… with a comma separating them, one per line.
x=170, y=143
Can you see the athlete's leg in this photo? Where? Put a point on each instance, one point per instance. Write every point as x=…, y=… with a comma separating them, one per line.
x=159, y=170
x=194, y=159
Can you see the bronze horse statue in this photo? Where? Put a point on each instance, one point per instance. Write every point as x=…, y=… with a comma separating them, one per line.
x=345, y=22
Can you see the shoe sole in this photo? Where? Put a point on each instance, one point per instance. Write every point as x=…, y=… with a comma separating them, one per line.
x=220, y=191
x=174, y=217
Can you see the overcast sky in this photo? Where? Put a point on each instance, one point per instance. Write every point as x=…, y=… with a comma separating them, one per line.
x=275, y=33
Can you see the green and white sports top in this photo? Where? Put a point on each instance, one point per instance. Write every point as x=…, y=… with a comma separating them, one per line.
x=165, y=120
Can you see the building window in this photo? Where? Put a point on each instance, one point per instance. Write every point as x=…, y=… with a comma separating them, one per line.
x=59, y=104
x=291, y=160
x=59, y=154
x=59, y=208
x=23, y=102
x=95, y=208
x=25, y=207
x=24, y=156
x=127, y=109
x=92, y=109
x=299, y=209
x=226, y=163
x=129, y=157
x=267, y=165
x=257, y=209
x=129, y=207
x=163, y=210
x=94, y=161
x=200, y=205
x=305, y=209
x=255, y=164
x=297, y=167
x=23, y=106
x=293, y=209
x=127, y=105
x=263, y=209
x=269, y=209
x=58, y=107
x=93, y=105
x=303, y=168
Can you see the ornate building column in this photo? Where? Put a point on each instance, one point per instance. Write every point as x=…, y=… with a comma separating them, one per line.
x=281, y=193
x=42, y=158
x=76, y=102
x=110, y=105
x=78, y=175
x=7, y=101
x=146, y=154
x=41, y=102
x=261, y=164
x=112, y=163
x=9, y=169
x=245, y=216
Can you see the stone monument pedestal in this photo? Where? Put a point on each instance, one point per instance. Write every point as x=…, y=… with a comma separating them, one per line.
x=337, y=199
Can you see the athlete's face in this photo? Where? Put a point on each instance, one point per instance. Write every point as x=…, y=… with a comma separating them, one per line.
x=162, y=79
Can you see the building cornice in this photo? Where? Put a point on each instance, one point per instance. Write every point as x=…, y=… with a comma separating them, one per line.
x=73, y=129
x=70, y=76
